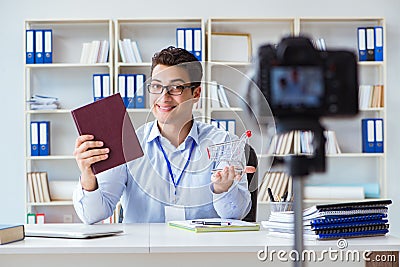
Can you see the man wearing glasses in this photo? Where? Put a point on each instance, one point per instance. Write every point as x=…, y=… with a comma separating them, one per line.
x=173, y=180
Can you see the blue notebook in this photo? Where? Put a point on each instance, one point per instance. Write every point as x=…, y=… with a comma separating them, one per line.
x=348, y=224
x=352, y=229
x=346, y=219
x=353, y=234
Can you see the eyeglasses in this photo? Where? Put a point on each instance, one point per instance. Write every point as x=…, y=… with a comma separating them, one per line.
x=155, y=88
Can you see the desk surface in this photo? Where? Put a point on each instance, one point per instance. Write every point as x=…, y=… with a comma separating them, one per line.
x=160, y=238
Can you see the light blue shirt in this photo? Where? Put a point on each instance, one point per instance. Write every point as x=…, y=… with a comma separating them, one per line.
x=145, y=187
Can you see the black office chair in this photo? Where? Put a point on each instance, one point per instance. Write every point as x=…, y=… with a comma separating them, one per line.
x=251, y=160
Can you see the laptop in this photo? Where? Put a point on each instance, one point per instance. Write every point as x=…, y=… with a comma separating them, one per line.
x=75, y=231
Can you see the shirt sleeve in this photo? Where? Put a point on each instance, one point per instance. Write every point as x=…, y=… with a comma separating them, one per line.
x=235, y=203
x=99, y=204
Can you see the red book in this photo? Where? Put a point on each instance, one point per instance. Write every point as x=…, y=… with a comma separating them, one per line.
x=109, y=122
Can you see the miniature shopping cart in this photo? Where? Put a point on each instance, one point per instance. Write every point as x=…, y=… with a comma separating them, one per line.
x=229, y=153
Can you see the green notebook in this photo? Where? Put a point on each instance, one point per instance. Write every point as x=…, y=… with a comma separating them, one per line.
x=215, y=225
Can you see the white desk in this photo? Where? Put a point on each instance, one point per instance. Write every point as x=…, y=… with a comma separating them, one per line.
x=160, y=245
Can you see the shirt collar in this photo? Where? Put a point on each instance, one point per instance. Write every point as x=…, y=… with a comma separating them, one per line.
x=193, y=134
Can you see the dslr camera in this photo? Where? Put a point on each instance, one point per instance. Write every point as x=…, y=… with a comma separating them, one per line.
x=299, y=81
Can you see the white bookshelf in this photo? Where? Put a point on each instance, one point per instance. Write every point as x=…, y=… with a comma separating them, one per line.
x=70, y=81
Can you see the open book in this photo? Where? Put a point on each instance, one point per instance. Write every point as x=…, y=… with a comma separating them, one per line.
x=215, y=225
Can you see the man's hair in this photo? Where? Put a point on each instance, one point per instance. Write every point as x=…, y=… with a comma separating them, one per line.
x=172, y=56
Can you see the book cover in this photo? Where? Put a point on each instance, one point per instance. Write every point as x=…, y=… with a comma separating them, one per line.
x=206, y=225
x=11, y=233
x=109, y=122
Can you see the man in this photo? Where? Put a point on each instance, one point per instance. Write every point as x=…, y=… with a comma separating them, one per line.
x=173, y=179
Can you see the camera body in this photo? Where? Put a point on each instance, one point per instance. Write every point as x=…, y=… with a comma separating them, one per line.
x=299, y=81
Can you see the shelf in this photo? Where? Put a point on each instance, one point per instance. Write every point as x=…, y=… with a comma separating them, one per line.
x=143, y=64
x=52, y=203
x=372, y=110
x=356, y=155
x=226, y=109
x=371, y=63
x=230, y=63
x=49, y=111
x=341, y=155
x=68, y=21
x=158, y=20
x=67, y=65
x=341, y=19
x=138, y=110
x=60, y=157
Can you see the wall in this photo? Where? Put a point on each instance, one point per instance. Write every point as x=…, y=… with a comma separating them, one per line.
x=11, y=67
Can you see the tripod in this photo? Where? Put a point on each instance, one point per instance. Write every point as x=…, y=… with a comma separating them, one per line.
x=299, y=166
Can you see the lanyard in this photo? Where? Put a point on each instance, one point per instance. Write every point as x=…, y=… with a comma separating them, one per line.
x=169, y=163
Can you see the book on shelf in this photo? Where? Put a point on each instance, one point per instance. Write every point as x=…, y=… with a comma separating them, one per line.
x=129, y=51
x=331, y=143
x=108, y=121
x=11, y=233
x=39, y=46
x=372, y=135
x=335, y=220
x=218, y=97
x=371, y=96
x=278, y=182
x=95, y=52
x=214, y=225
x=301, y=142
x=222, y=97
x=370, y=43
x=136, y=52
x=190, y=39
x=38, y=187
x=214, y=99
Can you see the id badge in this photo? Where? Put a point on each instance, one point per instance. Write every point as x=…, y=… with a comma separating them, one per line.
x=174, y=213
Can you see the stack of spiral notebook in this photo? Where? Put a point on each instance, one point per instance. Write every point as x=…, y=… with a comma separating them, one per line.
x=332, y=221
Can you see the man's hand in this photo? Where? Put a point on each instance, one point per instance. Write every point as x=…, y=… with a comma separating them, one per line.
x=222, y=180
x=88, y=151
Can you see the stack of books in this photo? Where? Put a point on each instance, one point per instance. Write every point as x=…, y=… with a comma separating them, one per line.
x=333, y=221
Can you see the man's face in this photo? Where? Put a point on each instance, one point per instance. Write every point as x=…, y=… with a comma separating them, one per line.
x=169, y=109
